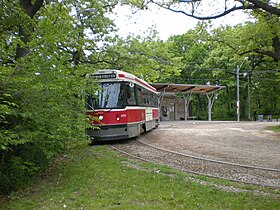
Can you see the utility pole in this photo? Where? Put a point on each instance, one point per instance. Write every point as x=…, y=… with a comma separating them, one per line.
x=237, y=94
x=249, y=100
x=237, y=89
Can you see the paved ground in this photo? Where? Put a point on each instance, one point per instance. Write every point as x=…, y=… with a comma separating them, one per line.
x=240, y=142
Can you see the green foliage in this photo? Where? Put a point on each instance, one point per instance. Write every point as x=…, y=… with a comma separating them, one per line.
x=17, y=168
x=275, y=128
x=42, y=93
x=148, y=58
x=212, y=57
x=43, y=88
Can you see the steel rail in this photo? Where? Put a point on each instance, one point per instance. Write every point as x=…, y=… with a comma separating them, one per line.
x=210, y=160
x=190, y=171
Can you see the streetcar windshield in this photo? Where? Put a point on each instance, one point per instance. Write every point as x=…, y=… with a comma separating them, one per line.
x=110, y=95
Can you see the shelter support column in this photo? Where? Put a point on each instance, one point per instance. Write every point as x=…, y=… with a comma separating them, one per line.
x=160, y=101
x=187, y=99
x=211, y=98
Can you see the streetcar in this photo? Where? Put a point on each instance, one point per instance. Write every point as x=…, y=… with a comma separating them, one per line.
x=124, y=106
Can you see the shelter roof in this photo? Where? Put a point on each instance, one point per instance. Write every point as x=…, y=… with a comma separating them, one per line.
x=183, y=88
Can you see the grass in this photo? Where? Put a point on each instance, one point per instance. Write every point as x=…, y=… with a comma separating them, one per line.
x=274, y=128
x=95, y=177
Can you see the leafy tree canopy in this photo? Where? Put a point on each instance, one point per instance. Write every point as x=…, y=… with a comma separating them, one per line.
x=42, y=46
x=148, y=58
x=205, y=10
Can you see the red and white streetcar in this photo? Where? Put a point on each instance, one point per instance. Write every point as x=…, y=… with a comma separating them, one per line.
x=125, y=105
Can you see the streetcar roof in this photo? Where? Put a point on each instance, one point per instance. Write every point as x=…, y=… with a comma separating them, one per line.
x=121, y=75
x=183, y=88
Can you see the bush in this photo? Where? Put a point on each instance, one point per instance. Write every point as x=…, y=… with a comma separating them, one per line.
x=19, y=166
x=39, y=118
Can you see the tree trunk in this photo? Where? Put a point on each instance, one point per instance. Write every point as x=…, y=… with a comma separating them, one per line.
x=276, y=46
x=22, y=51
x=30, y=9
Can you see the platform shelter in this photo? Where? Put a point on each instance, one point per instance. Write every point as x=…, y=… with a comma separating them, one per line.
x=186, y=91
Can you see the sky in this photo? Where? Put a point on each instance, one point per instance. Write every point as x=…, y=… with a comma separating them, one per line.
x=167, y=23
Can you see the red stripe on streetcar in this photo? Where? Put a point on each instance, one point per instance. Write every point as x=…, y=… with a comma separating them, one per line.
x=119, y=117
x=146, y=85
x=155, y=114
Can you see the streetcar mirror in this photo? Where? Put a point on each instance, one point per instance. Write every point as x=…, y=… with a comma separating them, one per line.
x=131, y=84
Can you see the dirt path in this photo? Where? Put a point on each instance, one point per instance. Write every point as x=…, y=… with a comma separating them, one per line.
x=244, y=142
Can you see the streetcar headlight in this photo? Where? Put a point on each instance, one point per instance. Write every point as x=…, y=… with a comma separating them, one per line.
x=101, y=117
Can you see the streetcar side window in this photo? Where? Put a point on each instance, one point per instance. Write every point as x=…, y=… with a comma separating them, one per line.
x=155, y=100
x=151, y=99
x=140, y=97
x=91, y=99
x=131, y=97
x=90, y=102
x=122, y=96
x=145, y=97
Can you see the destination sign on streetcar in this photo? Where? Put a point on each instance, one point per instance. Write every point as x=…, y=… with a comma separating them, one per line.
x=104, y=76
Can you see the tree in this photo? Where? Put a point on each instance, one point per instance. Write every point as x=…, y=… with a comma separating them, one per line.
x=219, y=8
x=148, y=58
x=41, y=81
x=267, y=13
x=193, y=48
x=212, y=56
x=47, y=47
x=30, y=9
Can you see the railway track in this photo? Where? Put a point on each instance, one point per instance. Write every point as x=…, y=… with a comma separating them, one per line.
x=248, y=174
